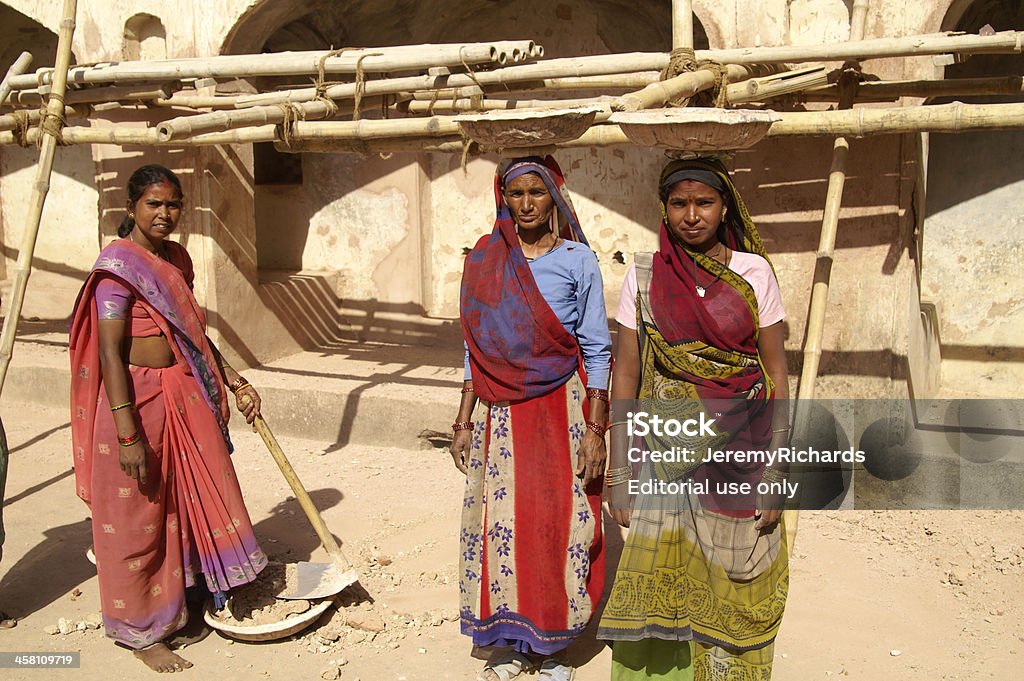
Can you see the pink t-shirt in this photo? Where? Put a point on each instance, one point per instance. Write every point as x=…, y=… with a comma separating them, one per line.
x=751, y=267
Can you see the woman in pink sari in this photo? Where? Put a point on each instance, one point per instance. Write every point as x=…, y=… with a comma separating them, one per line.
x=149, y=413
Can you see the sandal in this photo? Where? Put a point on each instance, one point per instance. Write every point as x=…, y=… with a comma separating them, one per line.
x=553, y=670
x=505, y=667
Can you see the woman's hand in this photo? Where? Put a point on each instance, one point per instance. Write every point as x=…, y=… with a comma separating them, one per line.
x=620, y=503
x=133, y=461
x=248, y=402
x=768, y=511
x=591, y=457
x=461, y=441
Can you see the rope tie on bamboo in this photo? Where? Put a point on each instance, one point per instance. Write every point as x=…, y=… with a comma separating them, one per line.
x=21, y=126
x=53, y=123
x=290, y=114
x=684, y=60
x=469, y=71
x=361, y=83
x=321, y=79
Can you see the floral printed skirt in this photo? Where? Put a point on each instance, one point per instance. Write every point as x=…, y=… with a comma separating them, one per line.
x=532, y=563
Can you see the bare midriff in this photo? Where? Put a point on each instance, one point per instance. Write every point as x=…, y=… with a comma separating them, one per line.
x=149, y=351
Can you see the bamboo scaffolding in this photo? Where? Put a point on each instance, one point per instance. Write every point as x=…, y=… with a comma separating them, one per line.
x=30, y=98
x=684, y=85
x=601, y=65
x=31, y=116
x=19, y=67
x=369, y=60
x=54, y=112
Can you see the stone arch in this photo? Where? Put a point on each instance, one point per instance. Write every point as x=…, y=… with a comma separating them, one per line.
x=144, y=38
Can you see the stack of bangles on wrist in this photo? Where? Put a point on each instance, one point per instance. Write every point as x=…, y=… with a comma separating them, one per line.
x=467, y=388
x=597, y=394
x=121, y=406
x=774, y=475
x=238, y=384
x=462, y=425
x=596, y=428
x=130, y=440
x=617, y=476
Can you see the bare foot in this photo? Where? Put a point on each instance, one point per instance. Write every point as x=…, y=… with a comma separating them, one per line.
x=7, y=622
x=159, y=658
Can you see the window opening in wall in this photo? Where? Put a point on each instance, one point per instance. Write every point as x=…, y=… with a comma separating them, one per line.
x=282, y=221
x=144, y=38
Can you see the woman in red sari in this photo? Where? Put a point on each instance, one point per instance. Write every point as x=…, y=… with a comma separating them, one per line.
x=149, y=413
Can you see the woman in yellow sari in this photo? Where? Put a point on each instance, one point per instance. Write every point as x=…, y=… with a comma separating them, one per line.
x=702, y=581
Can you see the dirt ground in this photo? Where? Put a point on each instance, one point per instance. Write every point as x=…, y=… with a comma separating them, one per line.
x=875, y=595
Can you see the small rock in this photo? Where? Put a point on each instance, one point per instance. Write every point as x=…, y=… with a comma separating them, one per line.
x=229, y=654
x=895, y=653
x=421, y=651
x=383, y=561
x=81, y=626
x=330, y=674
x=51, y=629
x=997, y=613
x=65, y=626
x=953, y=579
x=365, y=621
x=75, y=594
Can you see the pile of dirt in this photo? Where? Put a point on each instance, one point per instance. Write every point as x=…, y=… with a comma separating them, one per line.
x=258, y=603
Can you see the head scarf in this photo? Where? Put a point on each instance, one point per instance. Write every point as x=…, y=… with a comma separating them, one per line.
x=518, y=348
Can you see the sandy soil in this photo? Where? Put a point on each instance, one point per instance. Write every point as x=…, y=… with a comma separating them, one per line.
x=894, y=595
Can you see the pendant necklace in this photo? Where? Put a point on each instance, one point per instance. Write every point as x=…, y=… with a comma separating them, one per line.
x=702, y=291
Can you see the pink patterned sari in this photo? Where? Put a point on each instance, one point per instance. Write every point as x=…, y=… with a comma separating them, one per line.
x=151, y=539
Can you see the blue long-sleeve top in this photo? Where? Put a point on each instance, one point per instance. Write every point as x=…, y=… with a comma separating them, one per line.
x=570, y=281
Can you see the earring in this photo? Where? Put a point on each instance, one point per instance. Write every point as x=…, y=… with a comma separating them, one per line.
x=131, y=215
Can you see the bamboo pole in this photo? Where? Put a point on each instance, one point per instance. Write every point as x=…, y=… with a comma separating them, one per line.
x=777, y=85
x=369, y=60
x=32, y=116
x=1003, y=42
x=684, y=85
x=189, y=126
x=54, y=112
x=818, y=305
x=417, y=145
x=682, y=24
x=463, y=105
x=16, y=69
x=954, y=117
x=888, y=90
x=29, y=98
x=951, y=118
